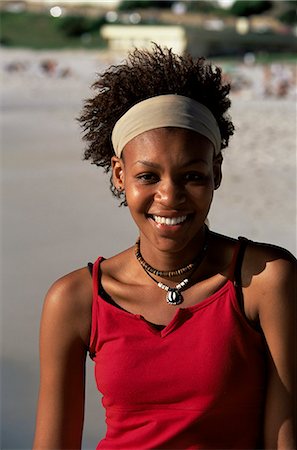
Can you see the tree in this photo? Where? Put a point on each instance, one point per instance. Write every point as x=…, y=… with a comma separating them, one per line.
x=77, y=25
x=128, y=5
x=248, y=8
x=289, y=13
x=203, y=6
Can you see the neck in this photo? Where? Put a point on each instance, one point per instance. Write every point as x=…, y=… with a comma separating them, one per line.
x=166, y=255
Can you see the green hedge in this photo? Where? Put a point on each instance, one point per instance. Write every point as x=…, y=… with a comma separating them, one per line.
x=35, y=30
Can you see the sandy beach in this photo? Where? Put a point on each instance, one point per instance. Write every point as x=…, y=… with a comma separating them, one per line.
x=58, y=214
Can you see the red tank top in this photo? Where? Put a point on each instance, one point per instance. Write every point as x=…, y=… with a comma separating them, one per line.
x=199, y=383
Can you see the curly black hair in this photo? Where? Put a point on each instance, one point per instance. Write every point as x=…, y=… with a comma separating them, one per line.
x=145, y=74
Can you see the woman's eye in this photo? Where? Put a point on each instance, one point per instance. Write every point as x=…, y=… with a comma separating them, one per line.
x=195, y=177
x=147, y=177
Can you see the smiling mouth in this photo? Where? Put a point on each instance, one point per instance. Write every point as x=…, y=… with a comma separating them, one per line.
x=169, y=221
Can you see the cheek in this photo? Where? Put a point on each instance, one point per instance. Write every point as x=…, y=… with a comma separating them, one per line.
x=137, y=197
x=202, y=195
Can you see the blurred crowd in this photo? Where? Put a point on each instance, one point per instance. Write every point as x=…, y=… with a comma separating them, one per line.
x=247, y=77
x=276, y=80
x=49, y=67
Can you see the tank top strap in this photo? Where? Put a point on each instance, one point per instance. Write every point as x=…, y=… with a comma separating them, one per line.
x=235, y=276
x=94, y=272
x=90, y=267
x=94, y=269
x=237, y=260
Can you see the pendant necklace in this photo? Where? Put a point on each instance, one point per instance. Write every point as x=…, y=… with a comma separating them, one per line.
x=173, y=296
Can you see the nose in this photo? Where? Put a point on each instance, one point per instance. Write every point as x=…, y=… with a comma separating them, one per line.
x=170, y=194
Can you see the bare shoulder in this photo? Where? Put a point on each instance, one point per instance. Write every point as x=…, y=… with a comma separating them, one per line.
x=69, y=302
x=268, y=280
x=269, y=265
x=71, y=288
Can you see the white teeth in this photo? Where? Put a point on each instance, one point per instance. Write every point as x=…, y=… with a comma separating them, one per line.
x=169, y=220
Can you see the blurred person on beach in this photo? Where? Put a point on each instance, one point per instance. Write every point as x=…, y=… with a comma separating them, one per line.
x=192, y=333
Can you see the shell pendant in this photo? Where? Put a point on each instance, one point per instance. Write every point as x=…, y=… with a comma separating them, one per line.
x=174, y=297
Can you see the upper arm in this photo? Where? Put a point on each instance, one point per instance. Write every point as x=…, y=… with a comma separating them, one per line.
x=63, y=345
x=277, y=315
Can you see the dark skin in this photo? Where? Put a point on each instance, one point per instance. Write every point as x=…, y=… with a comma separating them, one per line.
x=173, y=184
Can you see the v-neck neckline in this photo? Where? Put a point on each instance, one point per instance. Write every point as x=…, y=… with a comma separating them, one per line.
x=180, y=316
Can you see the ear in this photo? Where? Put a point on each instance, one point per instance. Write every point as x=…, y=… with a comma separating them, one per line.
x=217, y=170
x=117, y=165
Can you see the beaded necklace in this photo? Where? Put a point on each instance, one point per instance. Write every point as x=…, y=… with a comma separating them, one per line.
x=173, y=296
x=162, y=273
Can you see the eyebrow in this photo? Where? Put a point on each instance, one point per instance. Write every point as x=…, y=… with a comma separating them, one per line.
x=158, y=166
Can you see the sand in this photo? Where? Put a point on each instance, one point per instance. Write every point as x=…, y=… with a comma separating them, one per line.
x=58, y=214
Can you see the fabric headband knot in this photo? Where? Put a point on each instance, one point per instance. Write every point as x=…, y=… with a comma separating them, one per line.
x=165, y=111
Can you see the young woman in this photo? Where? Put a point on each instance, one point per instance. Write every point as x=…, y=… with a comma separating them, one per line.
x=191, y=332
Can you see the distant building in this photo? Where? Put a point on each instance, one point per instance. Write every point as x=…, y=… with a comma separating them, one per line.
x=199, y=41
x=124, y=38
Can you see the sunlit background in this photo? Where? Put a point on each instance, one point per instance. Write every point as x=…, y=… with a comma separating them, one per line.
x=57, y=211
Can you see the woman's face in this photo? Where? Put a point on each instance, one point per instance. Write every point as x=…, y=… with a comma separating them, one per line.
x=169, y=176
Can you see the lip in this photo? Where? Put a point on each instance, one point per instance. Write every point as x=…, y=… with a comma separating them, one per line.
x=168, y=227
x=168, y=215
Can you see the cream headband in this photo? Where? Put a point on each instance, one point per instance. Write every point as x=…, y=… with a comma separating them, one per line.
x=165, y=111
